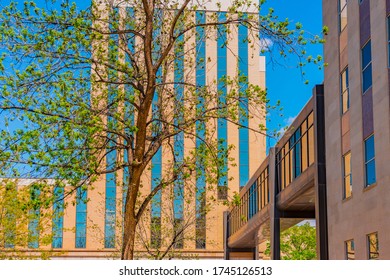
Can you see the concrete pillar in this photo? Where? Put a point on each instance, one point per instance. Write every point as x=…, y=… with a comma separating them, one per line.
x=320, y=178
x=275, y=214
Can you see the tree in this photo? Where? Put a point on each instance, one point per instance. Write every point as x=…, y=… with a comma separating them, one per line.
x=88, y=93
x=297, y=243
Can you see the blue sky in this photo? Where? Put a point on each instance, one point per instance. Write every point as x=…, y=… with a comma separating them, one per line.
x=285, y=82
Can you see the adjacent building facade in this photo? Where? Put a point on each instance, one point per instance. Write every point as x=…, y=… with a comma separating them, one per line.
x=357, y=110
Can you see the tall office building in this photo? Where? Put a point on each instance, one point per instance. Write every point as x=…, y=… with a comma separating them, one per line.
x=357, y=110
x=92, y=227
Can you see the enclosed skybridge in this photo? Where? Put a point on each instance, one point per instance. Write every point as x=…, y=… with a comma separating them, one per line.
x=288, y=187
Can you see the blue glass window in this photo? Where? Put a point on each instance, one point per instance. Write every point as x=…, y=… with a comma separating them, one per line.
x=366, y=67
x=33, y=225
x=200, y=232
x=58, y=218
x=222, y=122
x=243, y=112
x=369, y=156
x=81, y=218
x=388, y=41
x=344, y=86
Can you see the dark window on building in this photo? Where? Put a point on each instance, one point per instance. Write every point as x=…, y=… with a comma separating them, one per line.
x=344, y=86
x=350, y=249
x=366, y=67
x=369, y=160
x=342, y=14
x=388, y=41
x=373, y=246
x=347, y=173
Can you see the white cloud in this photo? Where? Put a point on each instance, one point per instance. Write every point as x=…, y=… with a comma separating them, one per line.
x=265, y=44
x=286, y=124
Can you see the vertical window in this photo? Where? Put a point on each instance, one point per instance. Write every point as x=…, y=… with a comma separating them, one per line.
x=222, y=92
x=200, y=232
x=366, y=67
x=295, y=146
x=81, y=218
x=110, y=211
x=58, y=218
x=33, y=225
x=347, y=173
x=243, y=137
x=373, y=246
x=350, y=249
x=388, y=41
x=178, y=195
x=342, y=14
x=369, y=160
x=344, y=86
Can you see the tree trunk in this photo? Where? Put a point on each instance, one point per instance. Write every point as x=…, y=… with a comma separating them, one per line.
x=129, y=238
x=130, y=219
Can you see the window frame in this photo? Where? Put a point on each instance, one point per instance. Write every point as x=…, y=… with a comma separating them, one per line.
x=388, y=39
x=340, y=11
x=366, y=162
x=347, y=175
x=347, y=253
x=346, y=91
x=369, y=64
x=369, y=253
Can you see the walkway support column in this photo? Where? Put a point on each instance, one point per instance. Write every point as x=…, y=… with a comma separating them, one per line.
x=320, y=179
x=275, y=213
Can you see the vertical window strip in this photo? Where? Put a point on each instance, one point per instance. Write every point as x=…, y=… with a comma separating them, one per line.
x=110, y=203
x=344, y=87
x=110, y=188
x=366, y=67
x=222, y=91
x=347, y=174
x=33, y=225
x=369, y=161
x=350, y=249
x=81, y=218
x=156, y=175
x=388, y=41
x=200, y=234
x=178, y=191
x=58, y=217
x=243, y=112
x=373, y=246
x=342, y=14
x=11, y=199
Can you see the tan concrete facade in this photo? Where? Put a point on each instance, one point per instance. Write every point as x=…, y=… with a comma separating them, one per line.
x=367, y=210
